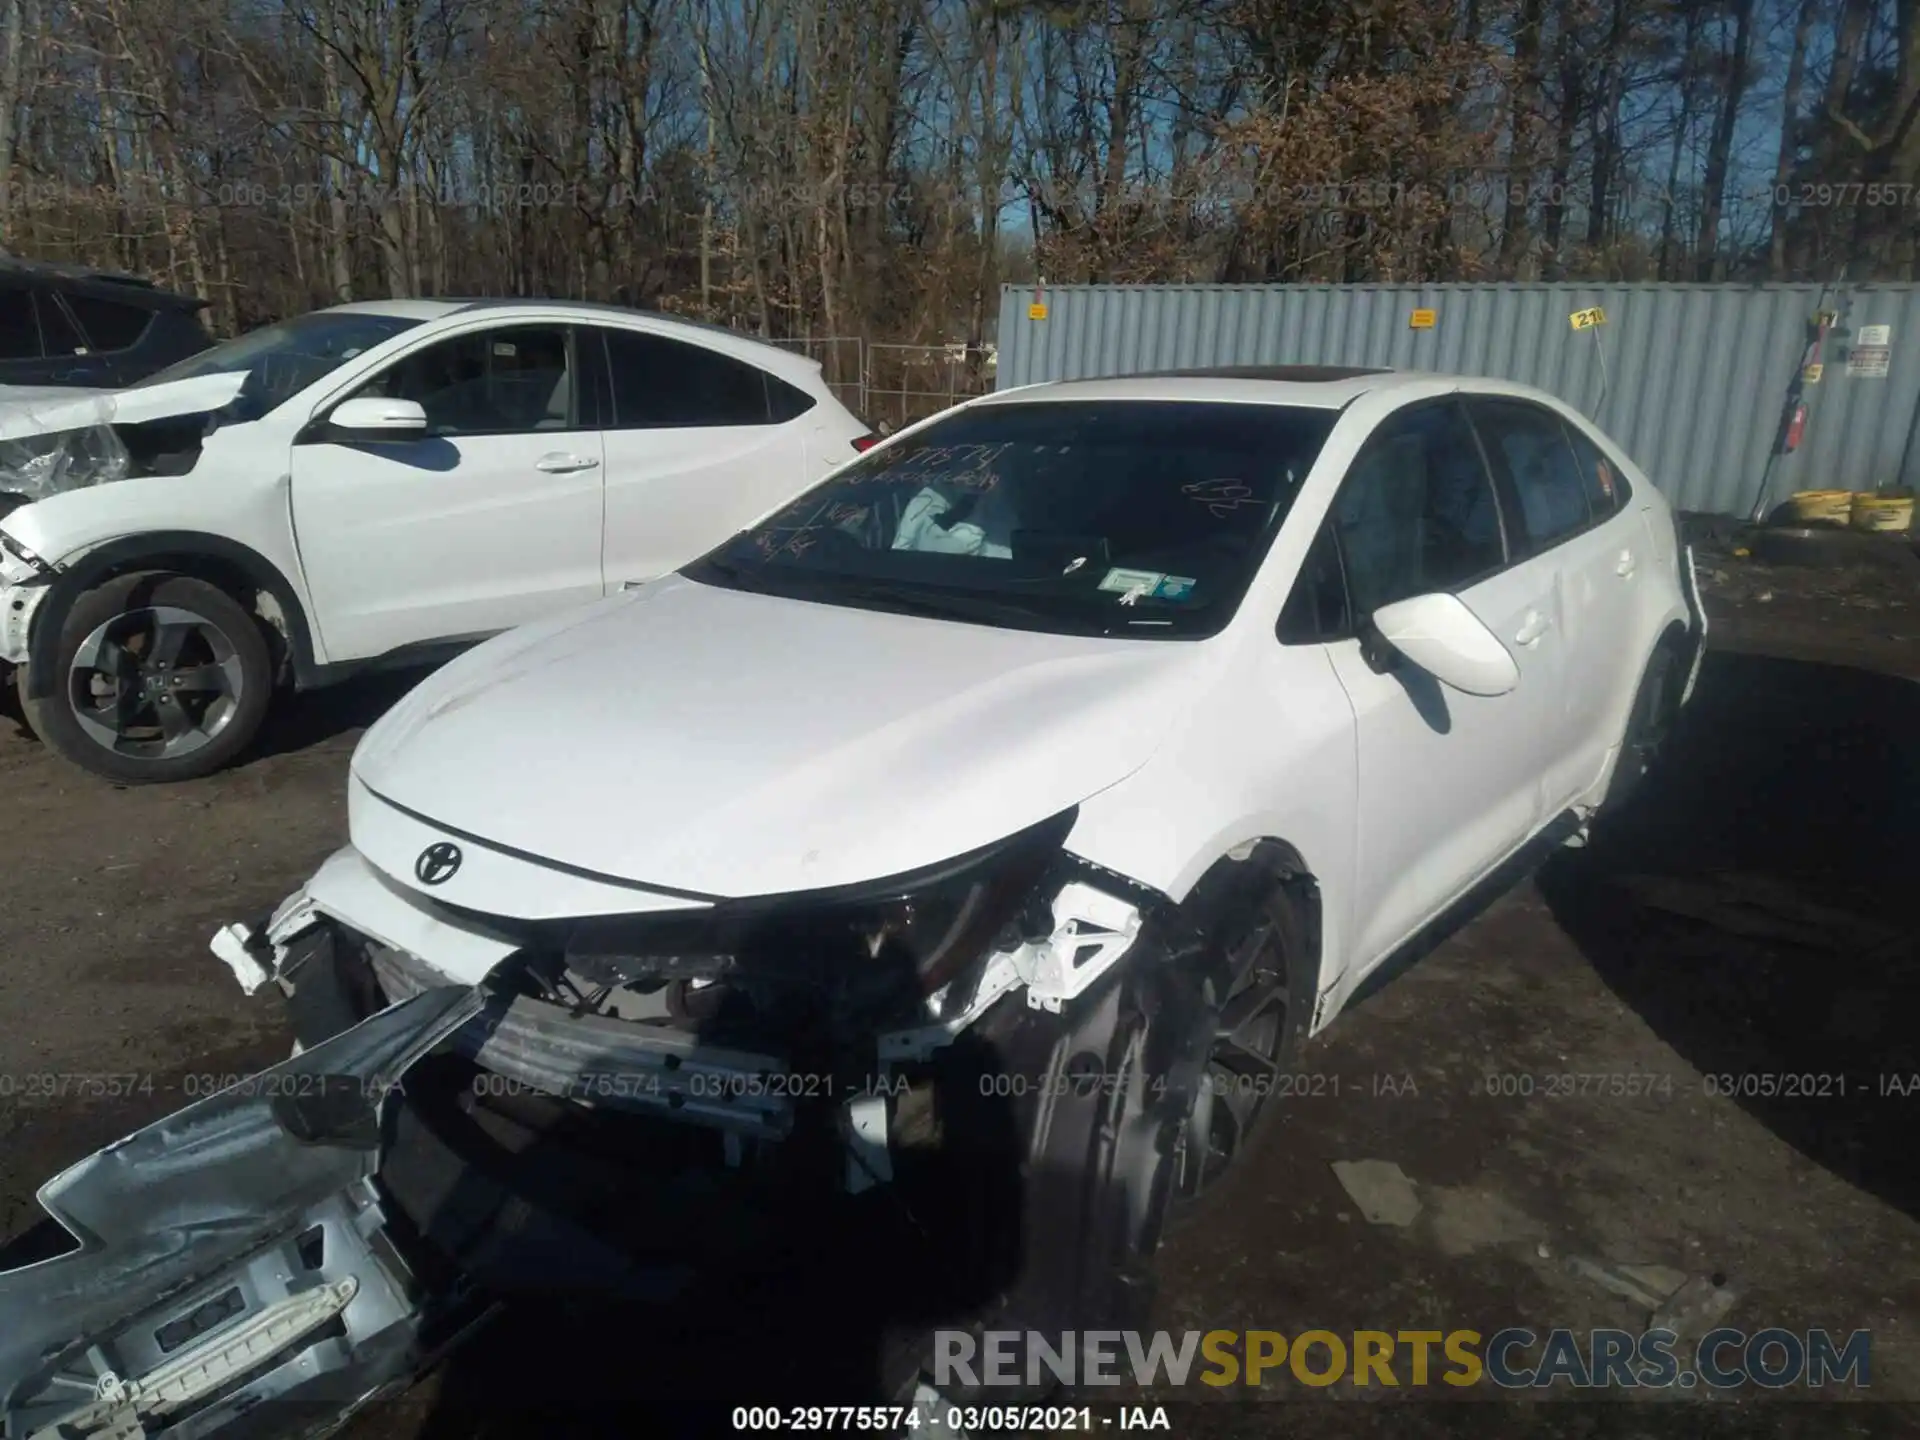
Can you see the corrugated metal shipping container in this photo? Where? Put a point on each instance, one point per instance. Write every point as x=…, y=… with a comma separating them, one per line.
x=1690, y=379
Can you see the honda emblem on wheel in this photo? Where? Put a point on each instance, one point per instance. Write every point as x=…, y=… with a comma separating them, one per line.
x=438, y=863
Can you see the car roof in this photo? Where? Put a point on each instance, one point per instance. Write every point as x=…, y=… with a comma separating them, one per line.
x=768, y=356
x=1320, y=387
x=108, y=284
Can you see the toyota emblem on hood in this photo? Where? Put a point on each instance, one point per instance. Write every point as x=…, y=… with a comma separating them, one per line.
x=438, y=863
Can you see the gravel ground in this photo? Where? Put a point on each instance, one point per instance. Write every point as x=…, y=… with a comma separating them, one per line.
x=1550, y=1080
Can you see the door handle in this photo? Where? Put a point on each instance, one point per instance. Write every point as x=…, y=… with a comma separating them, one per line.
x=1532, y=628
x=564, y=464
x=1628, y=564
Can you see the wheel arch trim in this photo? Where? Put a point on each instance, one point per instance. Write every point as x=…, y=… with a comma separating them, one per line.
x=1283, y=863
x=188, y=552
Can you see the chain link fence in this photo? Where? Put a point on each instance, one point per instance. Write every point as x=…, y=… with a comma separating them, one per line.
x=892, y=385
x=906, y=383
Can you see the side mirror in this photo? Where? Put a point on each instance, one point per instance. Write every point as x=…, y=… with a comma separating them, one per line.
x=1444, y=638
x=369, y=414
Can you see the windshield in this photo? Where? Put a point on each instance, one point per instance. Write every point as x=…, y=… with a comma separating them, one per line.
x=1138, y=518
x=284, y=359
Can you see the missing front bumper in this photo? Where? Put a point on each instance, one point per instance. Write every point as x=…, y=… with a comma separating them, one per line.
x=231, y=1258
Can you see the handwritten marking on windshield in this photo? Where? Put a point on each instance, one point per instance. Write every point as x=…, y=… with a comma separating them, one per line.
x=1221, y=497
x=797, y=543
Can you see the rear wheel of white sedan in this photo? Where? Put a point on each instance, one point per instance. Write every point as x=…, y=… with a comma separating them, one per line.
x=1655, y=706
x=157, y=678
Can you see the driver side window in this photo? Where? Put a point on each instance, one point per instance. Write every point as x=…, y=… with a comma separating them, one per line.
x=508, y=381
x=1417, y=512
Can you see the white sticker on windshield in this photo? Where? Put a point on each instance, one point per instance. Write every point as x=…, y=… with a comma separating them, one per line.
x=1132, y=580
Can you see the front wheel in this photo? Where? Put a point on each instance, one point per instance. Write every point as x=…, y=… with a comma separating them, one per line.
x=1253, y=933
x=157, y=678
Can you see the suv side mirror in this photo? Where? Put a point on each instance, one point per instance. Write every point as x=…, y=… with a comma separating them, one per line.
x=370, y=414
x=1443, y=637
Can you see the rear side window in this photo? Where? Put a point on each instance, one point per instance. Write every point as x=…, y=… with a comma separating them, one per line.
x=662, y=384
x=786, y=402
x=1417, y=512
x=109, y=324
x=19, y=335
x=1532, y=445
x=1606, y=487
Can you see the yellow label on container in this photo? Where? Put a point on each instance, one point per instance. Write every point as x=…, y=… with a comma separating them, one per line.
x=1423, y=319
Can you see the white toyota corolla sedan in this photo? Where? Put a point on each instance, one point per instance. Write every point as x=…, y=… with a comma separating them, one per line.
x=1016, y=802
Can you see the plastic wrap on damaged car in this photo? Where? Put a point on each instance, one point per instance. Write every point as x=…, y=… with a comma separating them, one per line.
x=43, y=465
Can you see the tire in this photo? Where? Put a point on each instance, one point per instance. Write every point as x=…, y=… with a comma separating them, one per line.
x=1655, y=704
x=1254, y=937
x=158, y=678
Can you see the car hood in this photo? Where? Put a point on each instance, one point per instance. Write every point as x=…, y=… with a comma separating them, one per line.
x=27, y=410
x=729, y=744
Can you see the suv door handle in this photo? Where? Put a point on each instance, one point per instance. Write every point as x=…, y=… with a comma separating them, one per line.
x=1627, y=563
x=558, y=464
x=1532, y=628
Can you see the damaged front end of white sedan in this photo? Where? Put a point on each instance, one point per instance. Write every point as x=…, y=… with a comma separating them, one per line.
x=986, y=1067
x=230, y=1264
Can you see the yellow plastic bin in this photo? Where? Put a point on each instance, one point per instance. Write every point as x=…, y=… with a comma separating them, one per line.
x=1822, y=507
x=1886, y=512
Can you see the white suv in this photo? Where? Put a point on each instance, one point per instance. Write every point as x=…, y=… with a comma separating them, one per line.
x=977, y=839
x=367, y=484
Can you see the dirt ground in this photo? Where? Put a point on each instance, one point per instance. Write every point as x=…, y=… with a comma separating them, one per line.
x=1752, y=917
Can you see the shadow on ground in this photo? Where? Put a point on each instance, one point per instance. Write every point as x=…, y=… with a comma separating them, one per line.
x=1755, y=905
x=301, y=720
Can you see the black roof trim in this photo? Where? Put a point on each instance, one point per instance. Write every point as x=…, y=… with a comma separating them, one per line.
x=115, y=284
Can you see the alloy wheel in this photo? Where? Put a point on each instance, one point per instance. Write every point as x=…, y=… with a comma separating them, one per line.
x=1243, y=1065
x=155, y=683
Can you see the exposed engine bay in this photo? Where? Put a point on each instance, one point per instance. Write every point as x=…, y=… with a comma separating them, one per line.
x=627, y=1105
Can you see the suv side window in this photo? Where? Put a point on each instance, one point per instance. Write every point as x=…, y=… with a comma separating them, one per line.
x=786, y=402
x=19, y=333
x=508, y=381
x=1531, y=445
x=1605, y=483
x=1417, y=512
x=110, y=325
x=662, y=384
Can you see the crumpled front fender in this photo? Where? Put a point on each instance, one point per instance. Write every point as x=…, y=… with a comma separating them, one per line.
x=168, y=1221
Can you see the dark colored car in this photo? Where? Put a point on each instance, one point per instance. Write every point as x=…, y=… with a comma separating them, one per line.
x=65, y=325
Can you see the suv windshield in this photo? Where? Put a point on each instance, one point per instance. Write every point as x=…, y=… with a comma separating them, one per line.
x=1138, y=518
x=283, y=359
